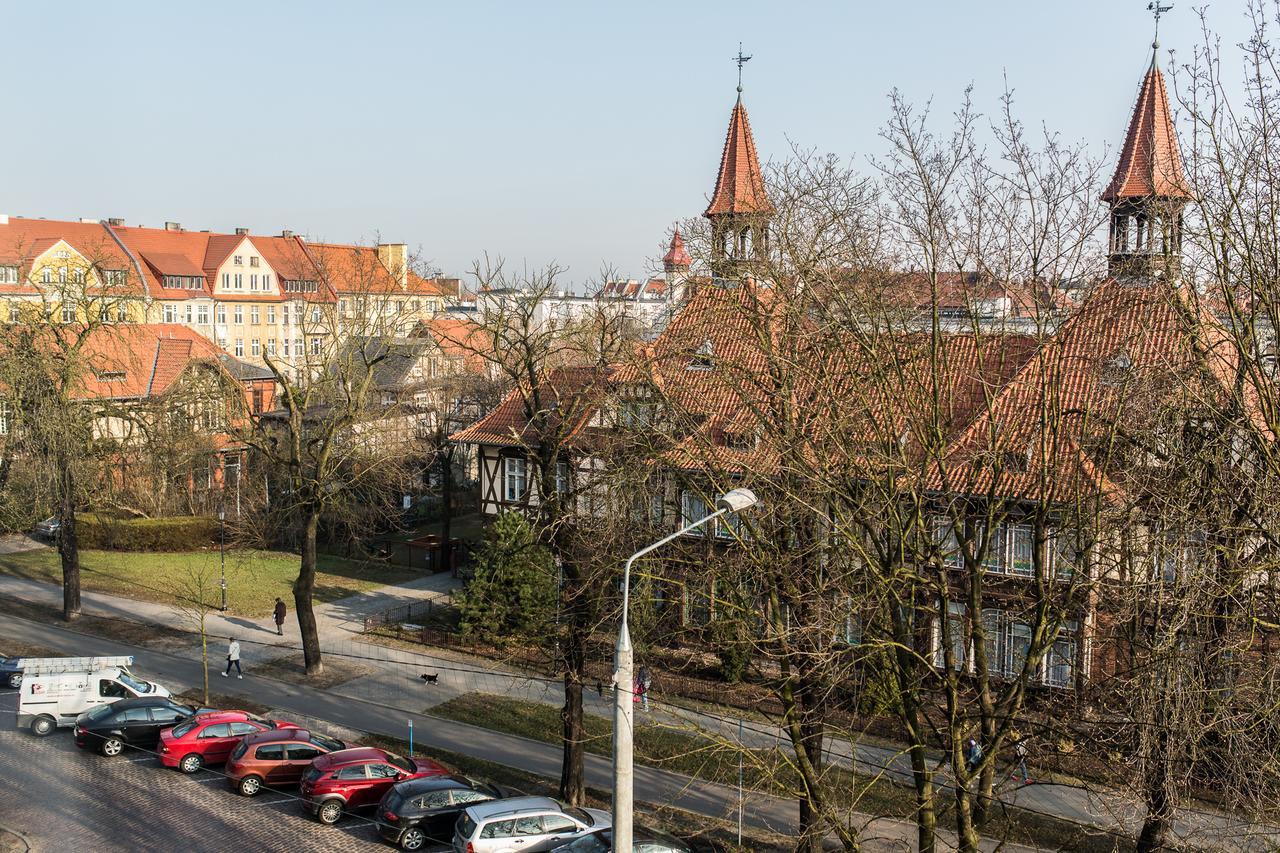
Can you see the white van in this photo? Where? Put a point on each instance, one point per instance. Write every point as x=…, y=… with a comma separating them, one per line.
x=57, y=690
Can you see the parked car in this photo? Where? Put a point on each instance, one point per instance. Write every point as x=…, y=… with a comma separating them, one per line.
x=129, y=722
x=643, y=840
x=209, y=738
x=416, y=812
x=49, y=528
x=275, y=758
x=10, y=675
x=523, y=823
x=357, y=778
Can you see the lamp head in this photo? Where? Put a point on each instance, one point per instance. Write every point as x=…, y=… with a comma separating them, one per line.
x=737, y=500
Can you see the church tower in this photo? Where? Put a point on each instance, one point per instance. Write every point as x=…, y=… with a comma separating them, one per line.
x=739, y=210
x=1149, y=190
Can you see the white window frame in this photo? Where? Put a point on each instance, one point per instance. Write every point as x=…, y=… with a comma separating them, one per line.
x=515, y=478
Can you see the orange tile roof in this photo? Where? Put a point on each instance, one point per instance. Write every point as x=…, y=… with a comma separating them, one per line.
x=676, y=255
x=740, y=182
x=461, y=339
x=22, y=240
x=571, y=393
x=1150, y=164
x=137, y=360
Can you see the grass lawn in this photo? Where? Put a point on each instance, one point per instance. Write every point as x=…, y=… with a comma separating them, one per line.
x=254, y=578
x=764, y=770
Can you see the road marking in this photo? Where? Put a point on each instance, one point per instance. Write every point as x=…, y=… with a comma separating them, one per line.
x=143, y=758
x=210, y=779
x=276, y=802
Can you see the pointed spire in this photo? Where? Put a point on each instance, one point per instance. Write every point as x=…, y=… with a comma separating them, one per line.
x=740, y=183
x=676, y=257
x=1150, y=165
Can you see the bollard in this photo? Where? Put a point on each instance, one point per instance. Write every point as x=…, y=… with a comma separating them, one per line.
x=411, y=738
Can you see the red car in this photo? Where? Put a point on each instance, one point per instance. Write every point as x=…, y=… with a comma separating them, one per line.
x=357, y=778
x=209, y=738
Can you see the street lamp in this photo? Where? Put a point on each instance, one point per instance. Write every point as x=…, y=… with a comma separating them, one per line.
x=222, y=554
x=623, y=710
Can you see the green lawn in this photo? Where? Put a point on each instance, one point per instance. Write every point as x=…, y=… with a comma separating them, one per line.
x=764, y=770
x=254, y=578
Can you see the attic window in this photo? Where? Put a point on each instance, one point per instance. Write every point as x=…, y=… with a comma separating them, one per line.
x=703, y=359
x=1117, y=369
x=110, y=375
x=8, y=275
x=740, y=440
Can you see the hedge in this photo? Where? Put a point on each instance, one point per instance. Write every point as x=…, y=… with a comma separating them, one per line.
x=146, y=534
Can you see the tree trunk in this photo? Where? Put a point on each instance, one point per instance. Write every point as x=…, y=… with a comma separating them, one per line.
x=1155, y=826
x=572, y=771
x=966, y=831
x=303, y=591
x=68, y=542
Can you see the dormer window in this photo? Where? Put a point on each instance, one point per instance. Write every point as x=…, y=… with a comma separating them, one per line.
x=110, y=375
x=703, y=358
x=740, y=440
x=1116, y=370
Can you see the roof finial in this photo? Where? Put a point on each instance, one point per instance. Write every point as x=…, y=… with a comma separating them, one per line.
x=1156, y=10
x=741, y=60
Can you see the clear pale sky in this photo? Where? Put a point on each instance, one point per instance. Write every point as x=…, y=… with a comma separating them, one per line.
x=575, y=132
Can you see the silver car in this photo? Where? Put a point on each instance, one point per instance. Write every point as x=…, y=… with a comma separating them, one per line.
x=522, y=824
x=49, y=528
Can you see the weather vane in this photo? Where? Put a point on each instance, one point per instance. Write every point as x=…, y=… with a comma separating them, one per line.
x=1157, y=10
x=741, y=60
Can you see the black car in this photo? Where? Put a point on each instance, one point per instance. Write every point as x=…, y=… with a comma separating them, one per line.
x=418, y=811
x=642, y=839
x=10, y=675
x=129, y=722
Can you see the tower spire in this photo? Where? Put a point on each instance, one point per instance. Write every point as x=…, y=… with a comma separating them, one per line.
x=1149, y=188
x=740, y=208
x=741, y=60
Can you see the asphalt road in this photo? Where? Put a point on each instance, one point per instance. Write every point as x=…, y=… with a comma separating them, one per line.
x=60, y=797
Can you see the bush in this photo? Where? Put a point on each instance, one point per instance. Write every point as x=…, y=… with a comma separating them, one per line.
x=186, y=533
x=732, y=643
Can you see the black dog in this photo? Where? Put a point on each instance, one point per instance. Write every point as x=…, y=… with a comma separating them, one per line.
x=430, y=677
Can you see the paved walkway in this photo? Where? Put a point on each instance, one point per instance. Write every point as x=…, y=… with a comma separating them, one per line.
x=392, y=680
x=653, y=786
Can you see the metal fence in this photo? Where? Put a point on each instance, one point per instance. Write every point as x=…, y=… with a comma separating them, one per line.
x=416, y=611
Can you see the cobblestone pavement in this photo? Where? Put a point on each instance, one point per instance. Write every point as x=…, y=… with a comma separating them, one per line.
x=60, y=797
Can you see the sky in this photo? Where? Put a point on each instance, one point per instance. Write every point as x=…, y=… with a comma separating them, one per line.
x=534, y=131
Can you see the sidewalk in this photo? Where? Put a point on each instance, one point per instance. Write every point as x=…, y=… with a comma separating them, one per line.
x=392, y=681
x=653, y=786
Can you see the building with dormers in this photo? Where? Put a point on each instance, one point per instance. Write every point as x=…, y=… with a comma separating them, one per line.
x=1136, y=336
x=255, y=296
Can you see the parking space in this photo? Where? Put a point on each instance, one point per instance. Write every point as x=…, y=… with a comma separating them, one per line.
x=64, y=798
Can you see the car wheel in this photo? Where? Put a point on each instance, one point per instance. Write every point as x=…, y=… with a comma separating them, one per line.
x=43, y=726
x=330, y=812
x=15, y=680
x=413, y=839
x=112, y=747
x=250, y=785
x=191, y=763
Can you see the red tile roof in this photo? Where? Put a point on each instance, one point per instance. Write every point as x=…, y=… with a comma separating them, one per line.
x=460, y=339
x=740, y=182
x=676, y=256
x=22, y=240
x=136, y=360
x=1150, y=164
x=572, y=395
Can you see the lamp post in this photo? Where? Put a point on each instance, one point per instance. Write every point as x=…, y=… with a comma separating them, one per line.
x=623, y=709
x=222, y=555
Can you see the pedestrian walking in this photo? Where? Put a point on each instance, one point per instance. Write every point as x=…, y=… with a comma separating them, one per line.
x=279, y=614
x=646, y=681
x=233, y=657
x=1020, y=752
x=972, y=754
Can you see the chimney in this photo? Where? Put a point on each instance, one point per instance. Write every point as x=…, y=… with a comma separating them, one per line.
x=173, y=226
x=286, y=233
x=241, y=231
x=395, y=257
x=89, y=220
x=116, y=222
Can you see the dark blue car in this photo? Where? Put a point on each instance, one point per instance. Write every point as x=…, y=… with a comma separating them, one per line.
x=10, y=675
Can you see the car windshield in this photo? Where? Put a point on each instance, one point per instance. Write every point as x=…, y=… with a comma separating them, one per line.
x=184, y=728
x=466, y=826
x=136, y=684
x=405, y=764
x=264, y=723
x=326, y=743
x=98, y=713
x=312, y=774
x=579, y=815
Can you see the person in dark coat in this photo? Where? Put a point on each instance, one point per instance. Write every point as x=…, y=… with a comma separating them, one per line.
x=279, y=614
